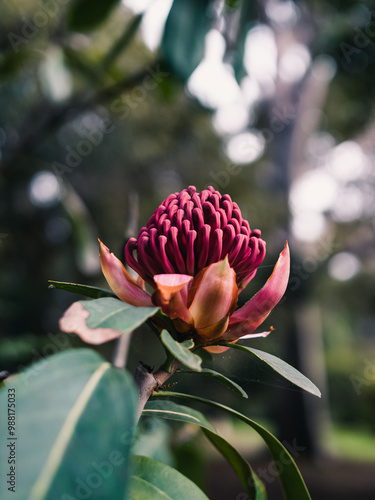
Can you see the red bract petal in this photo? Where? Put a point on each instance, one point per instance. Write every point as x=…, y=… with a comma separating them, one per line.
x=213, y=294
x=216, y=349
x=246, y=319
x=120, y=281
x=171, y=296
x=221, y=348
x=215, y=330
x=171, y=283
x=256, y=335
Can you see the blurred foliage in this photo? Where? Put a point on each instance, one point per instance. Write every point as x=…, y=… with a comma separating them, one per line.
x=85, y=15
x=182, y=51
x=347, y=34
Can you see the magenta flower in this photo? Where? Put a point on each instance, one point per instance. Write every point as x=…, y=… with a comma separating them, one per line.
x=197, y=253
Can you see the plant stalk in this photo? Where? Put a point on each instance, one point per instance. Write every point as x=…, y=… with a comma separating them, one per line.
x=148, y=382
x=121, y=352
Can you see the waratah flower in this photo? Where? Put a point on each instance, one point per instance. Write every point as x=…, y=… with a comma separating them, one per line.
x=197, y=254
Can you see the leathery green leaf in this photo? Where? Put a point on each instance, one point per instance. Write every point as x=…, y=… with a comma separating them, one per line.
x=281, y=367
x=181, y=352
x=86, y=291
x=172, y=411
x=220, y=378
x=75, y=418
x=293, y=485
x=113, y=313
x=167, y=483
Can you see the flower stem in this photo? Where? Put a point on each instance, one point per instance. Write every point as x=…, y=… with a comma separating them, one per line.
x=148, y=382
x=121, y=352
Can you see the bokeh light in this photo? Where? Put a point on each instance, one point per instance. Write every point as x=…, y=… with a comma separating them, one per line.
x=294, y=63
x=260, y=58
x=245, y=147
x=44, y=189
x=283, y=13
x=153, y=22
x=314, y=190
x=213, y=82
x=308, y=226
x=347, y=161
x=344, y=266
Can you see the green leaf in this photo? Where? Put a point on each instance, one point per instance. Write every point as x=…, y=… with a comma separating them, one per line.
x=153, y=440
x=141, y=489
x=180, y=352
x=84, y=15
x=75, y=420
x=291, y=480
x=281, y=367
x=113, y=313
x=101, y=320
x=249, y=14
x=251, y=482
x=86, y=291
x=189, y=344
x=172, y=411
x=220, y=378
x=151, y=476
x=183, y=40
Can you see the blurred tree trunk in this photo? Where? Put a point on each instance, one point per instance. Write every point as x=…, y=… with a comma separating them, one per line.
x=302, y=418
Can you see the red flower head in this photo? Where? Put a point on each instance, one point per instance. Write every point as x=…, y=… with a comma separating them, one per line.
x=198, y=253
x=189, y=231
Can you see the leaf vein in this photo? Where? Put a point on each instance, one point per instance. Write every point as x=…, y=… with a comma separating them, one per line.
x=47, y=474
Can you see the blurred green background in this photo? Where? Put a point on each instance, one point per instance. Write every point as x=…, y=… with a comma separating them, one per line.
x=107, y=107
